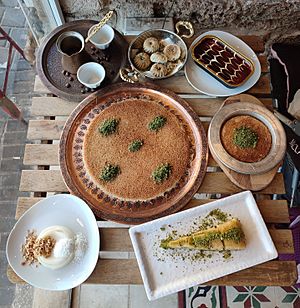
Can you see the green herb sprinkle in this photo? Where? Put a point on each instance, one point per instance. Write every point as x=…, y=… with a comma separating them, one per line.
x=161, y=173
x=109, y=172
x=157, y=123
x=244, y=137
x=135, y=145
x=108, y=127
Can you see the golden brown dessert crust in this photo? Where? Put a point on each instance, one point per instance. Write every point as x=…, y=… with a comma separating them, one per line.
x=249, y=155
x=169, y=145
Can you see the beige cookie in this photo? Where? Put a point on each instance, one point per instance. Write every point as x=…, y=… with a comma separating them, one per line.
x=159, y=57
x=158, y=70
x=142, y=61
x=172, y=52
x=162, y=44
x=173, y=66
x=151, y=45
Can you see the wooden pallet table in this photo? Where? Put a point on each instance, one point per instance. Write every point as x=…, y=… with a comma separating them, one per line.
x=117, y=263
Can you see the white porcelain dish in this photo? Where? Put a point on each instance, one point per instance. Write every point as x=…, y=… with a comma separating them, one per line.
x=65, y=210
x=164, y=274
x=203, y=82
x=102, y=38
x=91, y=74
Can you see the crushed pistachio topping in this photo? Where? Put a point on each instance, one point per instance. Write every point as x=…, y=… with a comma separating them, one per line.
x=135, y=145
x=245, y=137
x=226, y=254
x=218, y=214
x=109, y=172
x=234, y=234
x=108, y=127
x=157, y=123
x=206, y=241
x=161, y=173
x=164, y=243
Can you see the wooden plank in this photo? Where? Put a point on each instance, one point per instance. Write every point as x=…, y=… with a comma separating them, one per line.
x=40, y=87
x=45, y=129
x=217, y=182
x=109, y=271
x=54, y=106
x=51, y=106
x=180, y=85
x=273, y=211
x=41, y=154
x=113, y=239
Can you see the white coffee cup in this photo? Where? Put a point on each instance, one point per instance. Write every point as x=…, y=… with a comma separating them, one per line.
x=102, y=38
x=91, y=74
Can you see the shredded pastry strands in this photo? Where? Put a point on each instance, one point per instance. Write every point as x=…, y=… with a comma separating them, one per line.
x=34, y=248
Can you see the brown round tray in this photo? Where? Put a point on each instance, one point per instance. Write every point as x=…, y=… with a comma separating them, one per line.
x=78, y=181
x=50, y=69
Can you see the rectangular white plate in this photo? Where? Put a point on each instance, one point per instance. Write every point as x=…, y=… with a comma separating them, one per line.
x=164, y=273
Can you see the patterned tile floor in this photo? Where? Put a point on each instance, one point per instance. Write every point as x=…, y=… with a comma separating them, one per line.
x=240, y=297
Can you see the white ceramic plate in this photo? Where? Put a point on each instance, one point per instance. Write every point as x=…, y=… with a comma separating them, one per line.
x=203, y=82
x=65, y=210
x=164, y=274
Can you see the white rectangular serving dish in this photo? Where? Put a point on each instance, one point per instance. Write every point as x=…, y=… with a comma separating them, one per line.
x=166, y=271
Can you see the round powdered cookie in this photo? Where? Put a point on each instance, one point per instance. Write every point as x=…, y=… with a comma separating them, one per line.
x=142, y=61
x=158, y=57
x=162, y=44
x=151, y=45
x=172, y=52
x=158, y=70
x=172, y=66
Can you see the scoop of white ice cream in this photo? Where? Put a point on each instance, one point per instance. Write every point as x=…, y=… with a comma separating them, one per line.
x=63, y=251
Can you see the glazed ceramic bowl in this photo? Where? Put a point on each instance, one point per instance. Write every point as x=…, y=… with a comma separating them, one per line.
x=91, y=74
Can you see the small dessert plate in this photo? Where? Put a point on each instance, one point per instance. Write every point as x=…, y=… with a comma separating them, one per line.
x=48, y=212
x=203, y=82
x=91, y=74
x=102, y=38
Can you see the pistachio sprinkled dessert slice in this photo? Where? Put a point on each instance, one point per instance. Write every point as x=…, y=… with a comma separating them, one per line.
x=157, y=123
x=245, y=137
x=108, y=127
x=109, y=172
x=135, y=145
x=161, y=173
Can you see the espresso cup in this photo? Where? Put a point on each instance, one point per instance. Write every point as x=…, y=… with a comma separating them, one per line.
x=102, y=38
x=91, y=74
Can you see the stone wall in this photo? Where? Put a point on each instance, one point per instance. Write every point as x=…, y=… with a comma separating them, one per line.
x=274, y=17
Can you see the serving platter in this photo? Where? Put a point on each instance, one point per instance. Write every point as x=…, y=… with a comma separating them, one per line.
x=46, y=213
x=49, y=67
x=247, y=105
x=75, y=172
x=203, y=82
x=164, y=273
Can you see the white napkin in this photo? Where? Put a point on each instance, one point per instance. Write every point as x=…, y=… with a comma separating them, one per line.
x=294, y=107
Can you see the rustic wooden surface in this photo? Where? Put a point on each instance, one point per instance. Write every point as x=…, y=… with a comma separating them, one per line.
x=117, y=264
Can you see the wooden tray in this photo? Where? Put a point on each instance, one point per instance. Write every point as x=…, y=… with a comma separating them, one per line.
x=76, y=176
x=49, y=67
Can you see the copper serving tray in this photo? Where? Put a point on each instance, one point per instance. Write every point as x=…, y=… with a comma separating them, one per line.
x=222, y=61
x=49, y=67
x=75, y=174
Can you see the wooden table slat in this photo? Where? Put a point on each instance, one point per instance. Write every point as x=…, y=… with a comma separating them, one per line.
x=217, y=182
x=54, y=106
x=125, y=271
x=273, y=211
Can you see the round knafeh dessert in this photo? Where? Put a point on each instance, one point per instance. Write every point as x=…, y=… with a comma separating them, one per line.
x=246, y=138
x=133, y=181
